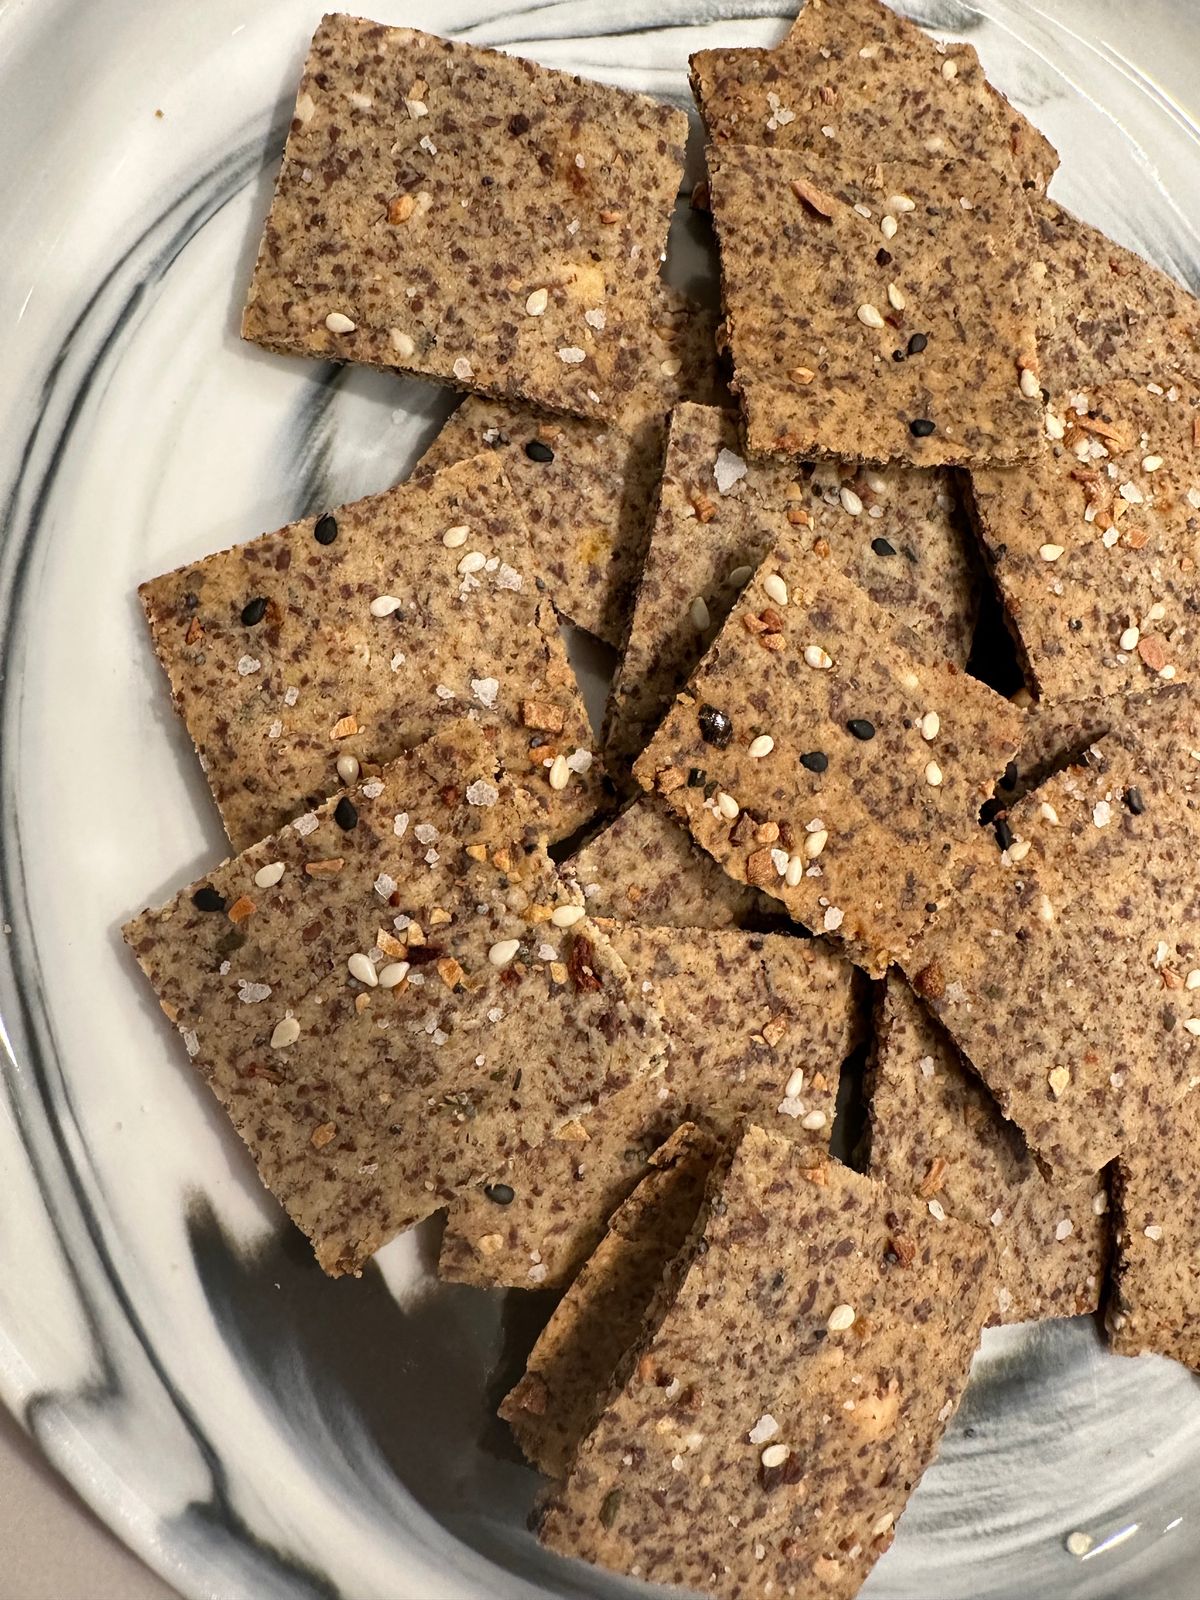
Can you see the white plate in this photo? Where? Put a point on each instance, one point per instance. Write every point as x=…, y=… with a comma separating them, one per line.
x=251, y=1428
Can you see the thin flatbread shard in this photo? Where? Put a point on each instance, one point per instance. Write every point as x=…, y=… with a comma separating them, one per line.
x=467, y=216
x=757, y=1027
x=848, y=765
x=854, y=76
x=1094, y=544
x=586, y=489
x=824, y=317
x=853, y=1316
x=1049, y=966
x=1155, y=1295
x=557, y=1400
x=643, y=867
x=359, y=634
x=937, y=1133
x=897, y=532
x=367, y=1102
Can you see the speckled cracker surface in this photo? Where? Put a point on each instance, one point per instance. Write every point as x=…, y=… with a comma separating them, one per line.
x=776, y=1422
x=757, y=1026
x=573, y=1362
x=367, y=995
x=1058, y=967
x=819, y=756
x=1156, y=1275
x=358, y=634
x=896, y=531
x=854, y=77
x=644, y=867
x=469, y=217
x=937, y=1133
x=825, y=314
x=1094, y=544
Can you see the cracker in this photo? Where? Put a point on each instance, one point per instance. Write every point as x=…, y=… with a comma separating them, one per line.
x=821, y=310
x=855, y=77
x=644, y=868
x=587, y=489
x=1094, y=544
x=897, y=532
x=1058, y=966
x=282, y=666
x=806, y=674
x=759, y=1439
x=937, y=1133
x=367, y=1106
x=469, y=217
x=570, y=1369
x=749, y=1018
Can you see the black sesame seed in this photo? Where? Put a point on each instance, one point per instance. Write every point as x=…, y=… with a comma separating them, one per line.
x=815, y=760
x=537, y=451
x=1134, y=800
x=881, y=547
x=715, y=727
x=921, y=427
x=931, y=906
x=989, y=809
x=916, y=344
x=697, y=778
x=861, y=728
x=345, y=814
x=710, y=788
x=326, y=530
x=254, y=611
x=206, y=898
x=1008, y=779
x=502, y=1194
x=1004, y=834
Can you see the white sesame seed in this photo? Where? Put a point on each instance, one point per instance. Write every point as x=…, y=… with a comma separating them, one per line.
x=762, y=746
x=851, y=503
x=813, y=1121
x=473, y=561
x=840, y=1318
x=775, y=1455
x=454, y=538
x=1154, y=1232
x=1047, y=811
x=896, y=297
x=901, y=202
x=287, y=1031
x=1129, y=639
x=937, y=1211
x=739, y=576
x=384, y=604
x=566, y=916
x=698, y=611
x=1055, y=428
x=815, y=842
x=571, y=355
x=727, y=805
x=560, y=772
x=1100, y=1202
x=1192, y=981
x=503, y=951
x=1078, y=1543
x=1151, y=463
x=1192, y=1024
x=795, y=1084
x=362, y=968
x=267, y=877
x=949, y=69
x=933, y=774
x=870, y=316
x=775, y=589
x=1019, y=849
x=931, y=726
x=1168, y=672
x=888, y=226
x=794, y=872
x=348, y=768
x=1046, y=909
x=882, y=1526
x=339, y=322
x=1156, y=612
x=537, y=302
x=671, y=367
x=394, y=973
x=402, y=343
x=817, y=658
x=1050, y=552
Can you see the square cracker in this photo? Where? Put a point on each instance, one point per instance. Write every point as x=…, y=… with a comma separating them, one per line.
x=429, y=188
x=367, y=1106
x=273, y=704
x=587, y=489
x=573, y=1364
x=855, y=77
x=937, y=1133
x=1057, y=965
x=796, y=756
x=757, y=1026
x=897, y=531
x=821, y=308
x=775, y=1422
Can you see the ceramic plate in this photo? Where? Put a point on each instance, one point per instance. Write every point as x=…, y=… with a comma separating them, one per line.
x=254, y=1430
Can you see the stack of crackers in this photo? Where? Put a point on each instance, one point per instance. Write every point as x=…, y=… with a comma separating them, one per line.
x=605, y=998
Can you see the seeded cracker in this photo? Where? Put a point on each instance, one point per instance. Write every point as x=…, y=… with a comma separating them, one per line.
x=854, y=77
x=776, y=1421
x=587, y=489
x=757, y=1026
x=347, y=638
x=896, y=532
x=364, y=994
x=556, y=1403
x=936, y=1132
x=645, y=868
x=1050, y=967
x=457, y=213
x=821, y=312
x=847, y=765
